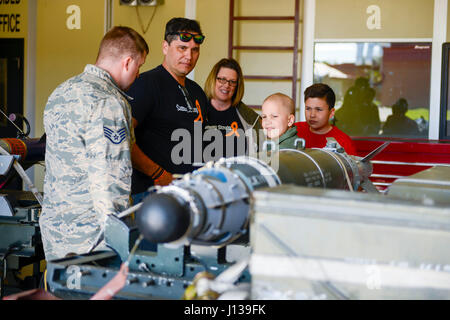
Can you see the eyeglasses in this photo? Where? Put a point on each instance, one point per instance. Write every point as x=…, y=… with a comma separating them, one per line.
x=187, y=36
x=231, y=83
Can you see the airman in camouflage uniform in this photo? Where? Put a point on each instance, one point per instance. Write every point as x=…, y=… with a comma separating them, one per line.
x=89, y=131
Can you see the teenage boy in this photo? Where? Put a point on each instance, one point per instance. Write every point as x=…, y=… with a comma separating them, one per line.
x=319, y=109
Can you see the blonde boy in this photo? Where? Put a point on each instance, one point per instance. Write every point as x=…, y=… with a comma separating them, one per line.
x=278, y=120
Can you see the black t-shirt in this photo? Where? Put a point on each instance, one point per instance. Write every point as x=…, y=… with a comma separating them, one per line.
x=161, y=109
x=229, y=129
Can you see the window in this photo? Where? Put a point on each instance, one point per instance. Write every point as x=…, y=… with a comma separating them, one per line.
x=382, y=89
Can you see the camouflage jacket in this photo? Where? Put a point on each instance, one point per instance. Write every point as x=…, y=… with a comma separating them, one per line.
x=87, y=121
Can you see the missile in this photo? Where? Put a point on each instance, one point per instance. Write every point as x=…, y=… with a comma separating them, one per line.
x=211, y=206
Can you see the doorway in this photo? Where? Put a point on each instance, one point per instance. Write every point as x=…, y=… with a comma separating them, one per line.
x=11, y=85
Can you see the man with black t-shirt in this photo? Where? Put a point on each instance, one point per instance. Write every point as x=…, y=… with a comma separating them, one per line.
x=165, y=101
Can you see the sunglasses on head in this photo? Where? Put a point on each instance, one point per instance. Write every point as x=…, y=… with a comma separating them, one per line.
x=187, y=36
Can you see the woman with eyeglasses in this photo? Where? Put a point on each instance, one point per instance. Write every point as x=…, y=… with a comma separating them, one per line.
x=227, y=114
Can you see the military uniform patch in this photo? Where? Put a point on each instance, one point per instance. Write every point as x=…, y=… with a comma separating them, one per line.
x=115, y=136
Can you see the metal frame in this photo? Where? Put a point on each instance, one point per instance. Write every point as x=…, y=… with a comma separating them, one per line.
x=444, y=91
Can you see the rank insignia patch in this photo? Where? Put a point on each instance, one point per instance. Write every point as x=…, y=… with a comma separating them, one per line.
x=114, y=136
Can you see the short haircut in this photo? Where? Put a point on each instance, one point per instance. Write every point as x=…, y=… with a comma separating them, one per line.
x=283, y=100
x=400, y=107
x=211, y=80
x=178, y=25
x=120, y=41
x=323, y=91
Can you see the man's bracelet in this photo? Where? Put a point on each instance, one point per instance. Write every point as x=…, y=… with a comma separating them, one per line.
x=158, y=173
